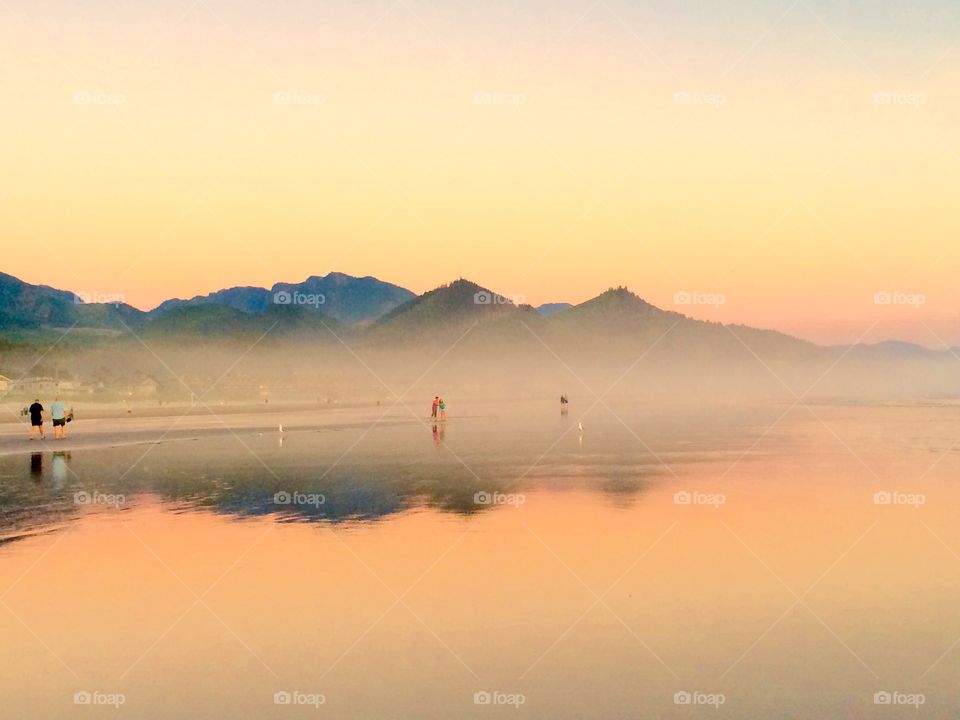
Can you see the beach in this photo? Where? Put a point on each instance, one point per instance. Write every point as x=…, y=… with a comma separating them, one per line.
x=112, y=426
x=755, y=561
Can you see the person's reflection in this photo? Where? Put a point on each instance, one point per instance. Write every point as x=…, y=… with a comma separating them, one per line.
x=438, y=435
x=60, y=459
x=36, y=466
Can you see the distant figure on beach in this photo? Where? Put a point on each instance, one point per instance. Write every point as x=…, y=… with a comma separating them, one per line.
x=36, y=419
x=443, y=409
x=58, y=412
x=433, y=408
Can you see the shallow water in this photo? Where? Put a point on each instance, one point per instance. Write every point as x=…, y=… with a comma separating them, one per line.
x=742, y=554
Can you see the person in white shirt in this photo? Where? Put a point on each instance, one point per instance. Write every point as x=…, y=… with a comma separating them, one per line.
x=58, y=412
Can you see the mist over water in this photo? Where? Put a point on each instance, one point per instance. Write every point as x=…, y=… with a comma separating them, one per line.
x=518, y=359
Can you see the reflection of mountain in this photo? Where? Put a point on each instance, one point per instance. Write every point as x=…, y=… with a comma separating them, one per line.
x=396, y=467
x=235, y=483
x=350, y=494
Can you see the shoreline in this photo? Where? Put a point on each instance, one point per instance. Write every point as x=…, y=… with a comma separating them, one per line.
x=126, y=431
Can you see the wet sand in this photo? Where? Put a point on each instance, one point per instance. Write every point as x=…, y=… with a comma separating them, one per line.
x=187, y=425
x=824, y=575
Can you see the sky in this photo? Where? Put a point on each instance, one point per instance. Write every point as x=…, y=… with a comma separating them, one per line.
x=782, y=164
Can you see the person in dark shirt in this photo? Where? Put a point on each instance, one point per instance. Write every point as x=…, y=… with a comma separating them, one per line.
x=36, y=419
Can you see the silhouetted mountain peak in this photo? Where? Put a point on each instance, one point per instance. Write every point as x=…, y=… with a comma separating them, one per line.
x=621, y=295
x=613, y=305
x=449, y=305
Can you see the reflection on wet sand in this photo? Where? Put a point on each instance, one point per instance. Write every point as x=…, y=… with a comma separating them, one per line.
x=36, y=465
x=595, y=579
x=597, y=584
x=59, y=470
x=361, y=475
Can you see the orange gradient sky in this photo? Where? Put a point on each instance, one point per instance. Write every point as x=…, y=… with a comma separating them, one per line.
x=795, y=159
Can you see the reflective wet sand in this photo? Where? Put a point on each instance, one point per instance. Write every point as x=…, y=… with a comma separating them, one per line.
x=753, y=567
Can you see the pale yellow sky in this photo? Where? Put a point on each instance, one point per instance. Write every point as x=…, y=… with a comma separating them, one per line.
x=795, y=164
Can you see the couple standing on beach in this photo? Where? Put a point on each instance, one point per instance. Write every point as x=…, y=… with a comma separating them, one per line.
x=438, y=405
x=58, y=413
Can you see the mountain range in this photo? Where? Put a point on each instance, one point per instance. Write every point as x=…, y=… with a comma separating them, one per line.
x=383, y=312
x=347, y=299
x=338, y=327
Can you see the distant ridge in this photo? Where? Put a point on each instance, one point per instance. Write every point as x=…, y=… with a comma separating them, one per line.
x=342, y=297
x=213, y=321
x=548, y=309
x=350, y=299
x=27, y=307
x=387, y=316
x=244, y=299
